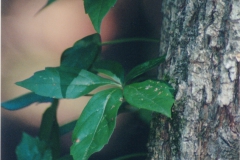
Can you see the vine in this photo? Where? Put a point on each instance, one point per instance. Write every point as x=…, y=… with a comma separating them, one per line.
x=78, y=75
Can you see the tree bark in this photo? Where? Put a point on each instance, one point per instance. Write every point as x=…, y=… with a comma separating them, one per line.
x=202, y=41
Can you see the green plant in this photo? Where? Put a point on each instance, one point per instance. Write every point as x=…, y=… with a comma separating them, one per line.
x=78, y=75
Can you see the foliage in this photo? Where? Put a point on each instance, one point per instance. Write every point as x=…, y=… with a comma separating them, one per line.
x=77, y=75
x=150, y=95
x=24, y=101
x=97, y=9
x=33, y=148
x=49, y=129
x=91, y=134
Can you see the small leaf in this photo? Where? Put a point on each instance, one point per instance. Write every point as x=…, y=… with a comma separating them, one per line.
x=110, y=68
x=49, y=83
x=83, y=53
x=33, y=149
x=24, y=101
x=96, y=123
x=150, y=95
x=144, y=67
x=47, y=4
x=50, y=2
x=97, y=9
x=49, y=129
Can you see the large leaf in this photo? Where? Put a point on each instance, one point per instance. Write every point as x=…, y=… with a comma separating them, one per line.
x=24, y=101
x=97, y=9
x=71, y=83
x=49, y=129
x=112, y=69
x=83, y=52
x=150, y=95
x=80, y=56
x=33, y=149
x=96, y=123
x=144, y=67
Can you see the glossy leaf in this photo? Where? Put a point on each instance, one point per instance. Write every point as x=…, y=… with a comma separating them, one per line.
x=49, y=129
x=97, y=9
x=96, y=123
x=144, y=67
x=32, y=149
x=150, y=95
x=71, y=83
x=83, y=53
x=80, y=56
x=112, y=69
x=24, y=101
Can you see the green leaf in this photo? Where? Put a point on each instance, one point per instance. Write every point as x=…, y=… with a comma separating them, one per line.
x=144, y=67
x=49, y=129
x=97, y=9
x=24, y=101
x=151, y=95
x=67, y=127
x=32, y=149
x=47, y=4
x=80, y=56
x=110, y=68
x=96, y=123
x=71, y=83
x=83, y=53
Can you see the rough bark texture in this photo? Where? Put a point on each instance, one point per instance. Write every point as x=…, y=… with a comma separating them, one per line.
x=202, y=42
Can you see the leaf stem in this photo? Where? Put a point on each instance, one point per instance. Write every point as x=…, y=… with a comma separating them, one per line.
x=89, y=95
x=130, y=40
x=130, y=156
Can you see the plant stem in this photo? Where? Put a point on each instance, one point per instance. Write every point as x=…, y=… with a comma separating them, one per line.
x=89, y=95
x=130, y=40
x=130, y=156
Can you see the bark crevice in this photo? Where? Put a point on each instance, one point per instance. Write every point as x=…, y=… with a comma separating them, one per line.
x=201, y=39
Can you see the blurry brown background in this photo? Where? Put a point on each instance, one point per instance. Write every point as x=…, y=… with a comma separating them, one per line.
x=31, y=42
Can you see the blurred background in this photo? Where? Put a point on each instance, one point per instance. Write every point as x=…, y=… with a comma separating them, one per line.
x=32, y=41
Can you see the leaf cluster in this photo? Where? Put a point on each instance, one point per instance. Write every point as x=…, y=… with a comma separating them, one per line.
x=80, y=72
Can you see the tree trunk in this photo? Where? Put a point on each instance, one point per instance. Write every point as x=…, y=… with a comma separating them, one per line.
x=202, y=41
